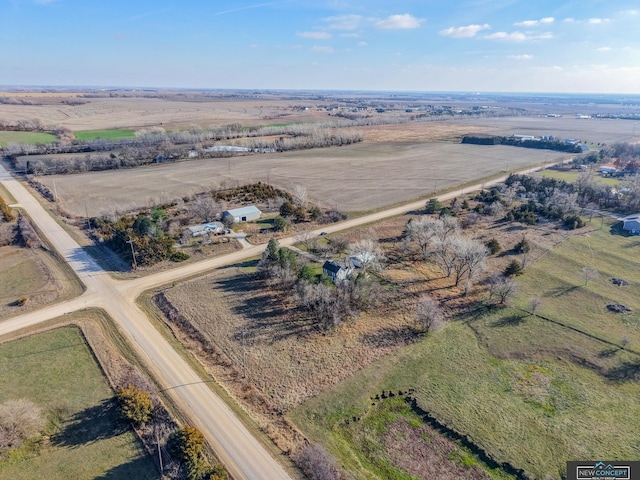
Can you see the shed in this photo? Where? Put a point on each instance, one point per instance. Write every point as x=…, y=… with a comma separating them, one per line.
x=243, y=214
x=632, y=224
x=205, y=228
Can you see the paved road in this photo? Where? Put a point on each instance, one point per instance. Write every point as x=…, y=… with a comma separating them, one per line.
x=237, y=448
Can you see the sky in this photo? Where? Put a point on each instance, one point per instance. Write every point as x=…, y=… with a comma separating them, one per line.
x=583, y=46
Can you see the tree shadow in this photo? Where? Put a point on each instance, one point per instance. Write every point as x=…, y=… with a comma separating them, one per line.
x=92, y=424
x=608, y=352
x=268, y=319
x=509, y=321
x=141, y=468
x=391, y=337
x=560, y=291
x=616, y=229
x=625, y=372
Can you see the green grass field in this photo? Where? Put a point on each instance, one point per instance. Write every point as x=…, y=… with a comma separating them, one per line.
x=529, y=391
x=570, y=176
x=85, y=135
x=27, y=138
x=57, y=371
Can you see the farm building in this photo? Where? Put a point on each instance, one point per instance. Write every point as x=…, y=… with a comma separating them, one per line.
x=604, y=171
x=243, y=214
x=337, y=272
x=205, y=228
x=632, y=224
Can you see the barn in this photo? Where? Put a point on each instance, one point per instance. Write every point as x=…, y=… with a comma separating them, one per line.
x=244, y=214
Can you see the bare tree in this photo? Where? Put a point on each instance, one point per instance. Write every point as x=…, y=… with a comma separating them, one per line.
x=534, y=304
x=300, y=196
x=502, y=288
x=19, y=420
x=429, y=314
x=366, y=254
x=316, y=463
x=589, y=273
x=465, y=258
x=308, y=240
x=206, y=208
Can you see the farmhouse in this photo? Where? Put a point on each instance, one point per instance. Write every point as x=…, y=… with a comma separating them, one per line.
x=605, y=171
x=336, y=271
x=632, y=224
x=243, y=214
x=205, y=228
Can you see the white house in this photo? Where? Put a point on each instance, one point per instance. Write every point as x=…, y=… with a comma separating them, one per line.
x=243, y=214
x=632, y=224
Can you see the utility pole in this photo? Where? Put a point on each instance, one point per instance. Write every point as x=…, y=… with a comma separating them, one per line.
x=159, y=452
x=86, y=211
x=244, y=356
x=55, y=191
x=133, y=253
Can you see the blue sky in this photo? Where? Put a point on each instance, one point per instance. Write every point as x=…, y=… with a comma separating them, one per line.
x=428, y=45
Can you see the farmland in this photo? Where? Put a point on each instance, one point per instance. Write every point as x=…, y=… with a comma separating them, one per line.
x=31, y=138
x=529, y=391
x=56, y=371
x=354, y=178
x=114, y=134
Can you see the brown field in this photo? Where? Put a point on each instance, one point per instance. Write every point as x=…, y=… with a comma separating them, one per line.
x=170, y=113
x=591, y=131
x=358, y=177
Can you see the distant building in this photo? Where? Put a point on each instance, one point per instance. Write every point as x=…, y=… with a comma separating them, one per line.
x=244, y=214
x=632, y=224
x=522, y=138
x=607, y=171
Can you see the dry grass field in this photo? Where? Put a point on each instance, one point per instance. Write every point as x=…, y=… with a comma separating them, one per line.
x=359, y=177
x=589, y=130
x=32, y=274
x=132, y=112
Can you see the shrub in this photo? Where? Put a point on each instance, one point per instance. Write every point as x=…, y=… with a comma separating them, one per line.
x=317, y=464
x=280, y=224
x=494, y=246
x=574, y=221
x=136, y=405
x=179, y=256
x=432, y=206
x=513, y=269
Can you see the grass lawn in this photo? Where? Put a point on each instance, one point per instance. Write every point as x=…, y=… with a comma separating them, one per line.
x=526, y=390
x=85, y=135
x=57, y=371
x=28, y=138
x=571, y=176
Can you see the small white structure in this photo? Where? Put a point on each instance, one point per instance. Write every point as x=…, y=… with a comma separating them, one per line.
x=632, y=224
x=205, y=229
x=244, y=214
x=361, y=259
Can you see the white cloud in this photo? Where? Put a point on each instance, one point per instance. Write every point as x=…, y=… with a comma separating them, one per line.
x=315, y=35
x=344, y=22
x=521, y=57
x=569, y=20
x=603, y=49
x=350, y=35
x=512, y=37
x=518, y=36
x=322, y=49
x=404, y=21
x=534, y=23
x=597, y=21
x=465, y=31
x=362, y=44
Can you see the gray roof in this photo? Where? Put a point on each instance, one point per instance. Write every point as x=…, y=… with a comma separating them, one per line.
x=331, y=267
x=243, y=211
